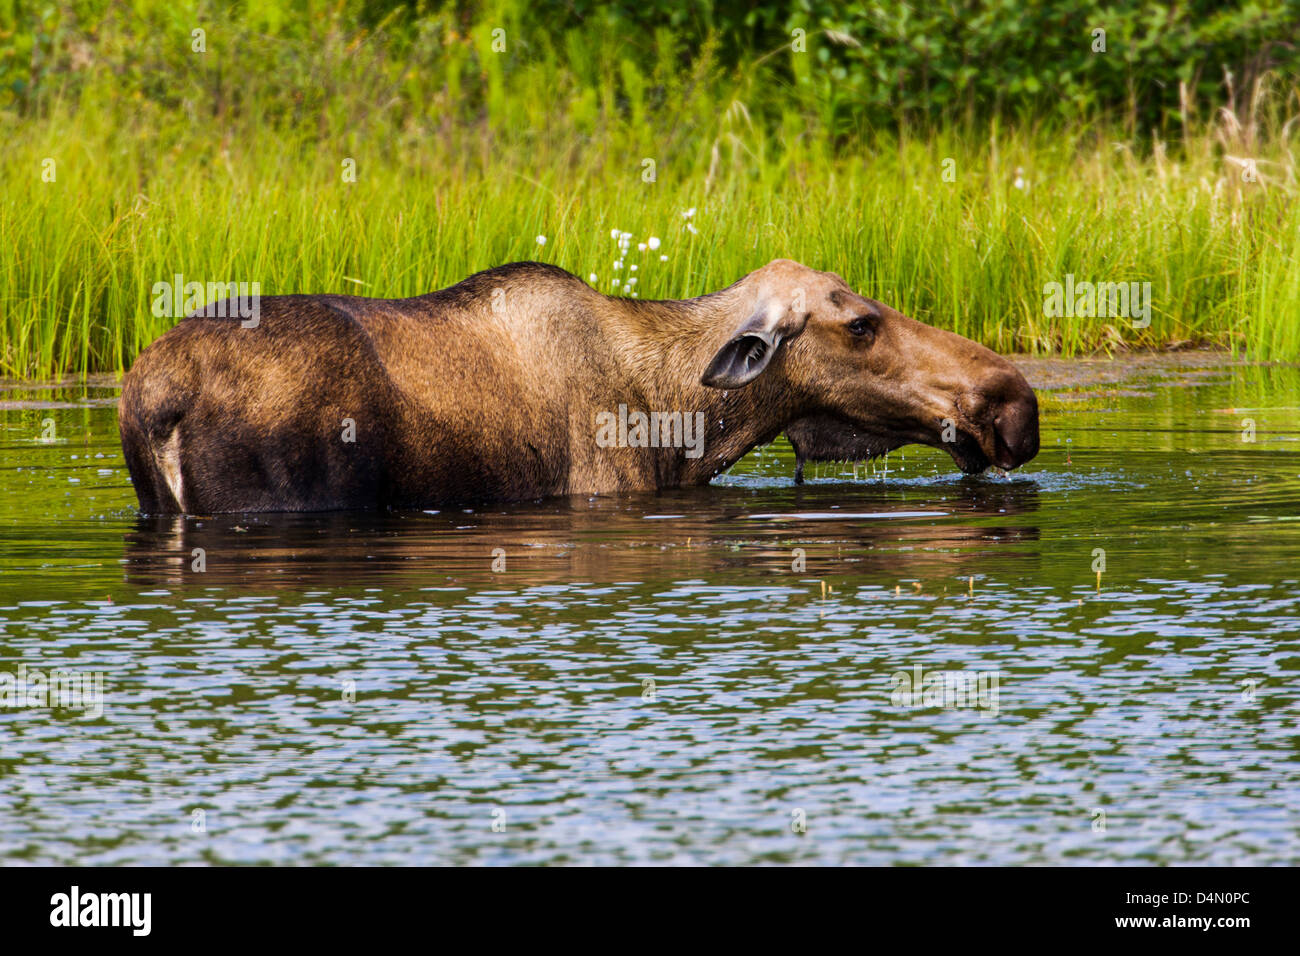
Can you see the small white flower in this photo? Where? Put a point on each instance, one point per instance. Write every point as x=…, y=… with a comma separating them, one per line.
x=663, y=258
x=625, y=236
x=640, y=246
x=541, y=240
x=631, y=282
x=618, y=264
x=634, y=295
x=592, y=278
x=632, y=267
x=614, y=283
x=653, y=242
x=691, y=226
x=613, y=234
x=688, y=213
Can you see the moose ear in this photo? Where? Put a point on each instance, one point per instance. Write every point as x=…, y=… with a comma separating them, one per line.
x=750, y=350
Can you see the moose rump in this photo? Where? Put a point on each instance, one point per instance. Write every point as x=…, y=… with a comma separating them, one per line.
x=297, y=414
x=268, y=404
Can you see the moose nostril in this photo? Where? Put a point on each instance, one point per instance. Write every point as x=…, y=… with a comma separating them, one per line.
x=1015, y=431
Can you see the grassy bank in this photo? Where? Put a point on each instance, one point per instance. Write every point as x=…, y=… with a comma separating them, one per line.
x=233, y=165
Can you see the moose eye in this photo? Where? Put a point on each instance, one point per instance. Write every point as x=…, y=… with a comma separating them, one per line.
x=862, y=325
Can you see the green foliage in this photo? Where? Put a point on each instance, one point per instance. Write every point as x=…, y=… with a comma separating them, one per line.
x=863, y=66
x=874, y=64
x=468, y=143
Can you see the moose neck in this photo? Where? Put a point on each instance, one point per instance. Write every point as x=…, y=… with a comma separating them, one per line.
x=668, y=344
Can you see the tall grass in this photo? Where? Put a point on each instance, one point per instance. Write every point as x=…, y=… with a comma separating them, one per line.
x=231, y=169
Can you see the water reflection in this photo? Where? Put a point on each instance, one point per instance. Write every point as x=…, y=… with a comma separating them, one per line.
x=696, y=533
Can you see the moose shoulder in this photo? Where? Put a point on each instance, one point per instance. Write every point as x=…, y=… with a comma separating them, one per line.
x=523, y=382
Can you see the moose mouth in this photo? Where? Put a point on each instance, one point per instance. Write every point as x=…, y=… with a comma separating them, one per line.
x=967, y=454
x=1005, y=435
x=999, y=446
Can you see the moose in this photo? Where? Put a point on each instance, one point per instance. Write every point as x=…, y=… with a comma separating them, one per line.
x=507, y=385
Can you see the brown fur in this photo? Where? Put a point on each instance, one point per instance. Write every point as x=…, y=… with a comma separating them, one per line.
x=488, y=391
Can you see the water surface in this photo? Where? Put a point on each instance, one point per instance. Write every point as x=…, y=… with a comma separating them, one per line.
x=692, y=677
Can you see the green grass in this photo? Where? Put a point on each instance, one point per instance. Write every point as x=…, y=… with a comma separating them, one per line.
x=230, y=169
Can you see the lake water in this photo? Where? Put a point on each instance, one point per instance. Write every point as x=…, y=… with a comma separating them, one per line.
x=710, y=676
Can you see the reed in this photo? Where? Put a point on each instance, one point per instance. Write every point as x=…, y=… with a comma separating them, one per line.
x=227, y=168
